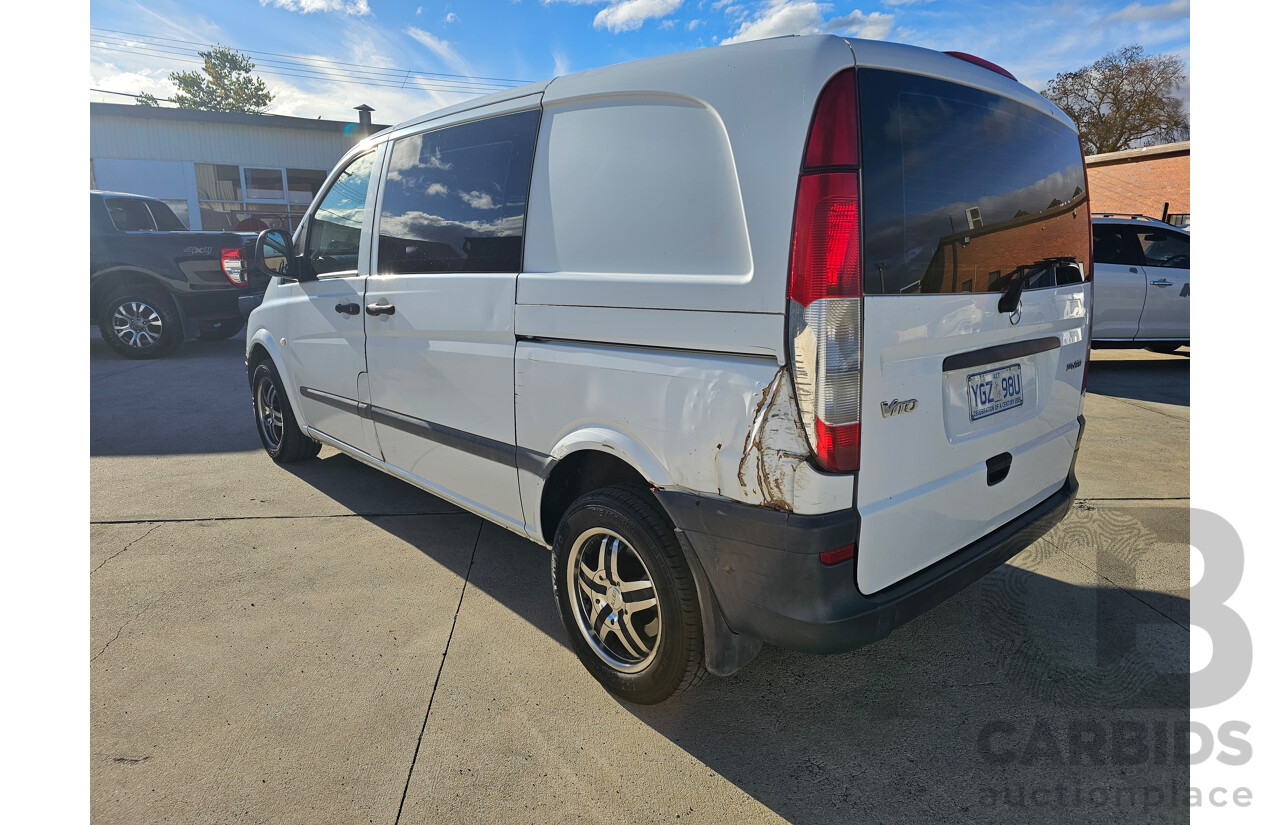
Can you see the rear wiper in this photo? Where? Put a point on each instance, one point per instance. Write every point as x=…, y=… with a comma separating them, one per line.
x=1012, y=295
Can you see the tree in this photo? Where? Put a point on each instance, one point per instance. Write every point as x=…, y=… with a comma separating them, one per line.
x=1125, y=99
x=146, y=99
x=224, y=85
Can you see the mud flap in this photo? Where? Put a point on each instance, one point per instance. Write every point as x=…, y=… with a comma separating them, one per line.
x=724, y=652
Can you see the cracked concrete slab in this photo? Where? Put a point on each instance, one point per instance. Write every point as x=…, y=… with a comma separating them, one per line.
x=268, y=671
x=268, y=653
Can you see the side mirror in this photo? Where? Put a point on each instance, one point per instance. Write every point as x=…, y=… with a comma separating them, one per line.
x=273, y=254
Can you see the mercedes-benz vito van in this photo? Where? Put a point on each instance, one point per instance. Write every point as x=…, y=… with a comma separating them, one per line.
x=778, y=342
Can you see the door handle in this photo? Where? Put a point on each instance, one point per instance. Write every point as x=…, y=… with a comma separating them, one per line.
x=348, y=309
x=1134, y=270
x=380, y=309
x=1162, y=282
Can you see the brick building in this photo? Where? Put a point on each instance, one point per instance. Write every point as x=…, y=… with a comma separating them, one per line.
x=986, y=256
x=1154, y=181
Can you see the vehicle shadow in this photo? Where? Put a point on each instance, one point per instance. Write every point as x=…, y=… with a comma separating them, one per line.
x=985, y=693
x=179, y=404
x=1164, y=381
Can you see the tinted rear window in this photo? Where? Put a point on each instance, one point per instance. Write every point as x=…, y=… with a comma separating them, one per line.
x=964, y=190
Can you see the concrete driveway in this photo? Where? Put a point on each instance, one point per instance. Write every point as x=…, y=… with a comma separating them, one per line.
x=324, y=643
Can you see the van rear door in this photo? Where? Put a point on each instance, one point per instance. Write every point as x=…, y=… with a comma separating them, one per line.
x=970, y=410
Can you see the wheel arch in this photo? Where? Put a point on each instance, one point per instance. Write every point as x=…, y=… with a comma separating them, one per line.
x=262, y=346
x=108, y=281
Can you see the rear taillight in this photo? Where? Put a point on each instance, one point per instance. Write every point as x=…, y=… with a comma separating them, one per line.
x=233, y=267
x=825, y=282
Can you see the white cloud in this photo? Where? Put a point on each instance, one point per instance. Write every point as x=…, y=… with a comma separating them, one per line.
x=478, y=200
x=626, y=15
x=562, y=62
x=440, y=48
x=1136, y=12
x=358, y=8
x=693, y=24
x=437, y=189
x=451, y=18
x=783, y=17
x=630, y=15
x=667, y=25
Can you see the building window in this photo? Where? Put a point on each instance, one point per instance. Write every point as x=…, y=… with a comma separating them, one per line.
x=253, y=198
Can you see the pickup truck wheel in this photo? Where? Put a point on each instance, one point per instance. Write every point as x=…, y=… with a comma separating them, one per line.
x=281, y=437
x=140, y=323
x=220, y=330
x=626, y=596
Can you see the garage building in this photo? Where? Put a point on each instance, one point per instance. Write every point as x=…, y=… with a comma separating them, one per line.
x=218, y=170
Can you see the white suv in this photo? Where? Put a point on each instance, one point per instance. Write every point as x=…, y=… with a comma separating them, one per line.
x=1142, y=278
x=778, y=342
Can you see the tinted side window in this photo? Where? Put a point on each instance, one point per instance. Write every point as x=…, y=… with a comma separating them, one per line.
x=130, y=215
x=333, y=239
x=1116, y=245
x=454, y=199
x=1160, y=247
x=165, y=220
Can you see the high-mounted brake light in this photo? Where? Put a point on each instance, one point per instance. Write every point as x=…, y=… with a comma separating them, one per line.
x=986, y=64
x=233, y=267
x=825, y=281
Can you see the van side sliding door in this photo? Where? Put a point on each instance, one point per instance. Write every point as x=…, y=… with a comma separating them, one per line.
x=440, y=306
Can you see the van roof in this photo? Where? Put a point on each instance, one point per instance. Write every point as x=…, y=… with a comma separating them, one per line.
x=648, y=73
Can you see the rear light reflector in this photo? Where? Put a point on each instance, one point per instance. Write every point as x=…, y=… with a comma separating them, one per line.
x=838, y=555
x=233, y=267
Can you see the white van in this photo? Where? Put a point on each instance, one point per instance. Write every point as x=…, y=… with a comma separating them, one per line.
x=777, y=342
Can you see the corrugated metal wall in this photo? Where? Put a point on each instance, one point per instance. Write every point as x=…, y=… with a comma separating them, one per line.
x=128, y=138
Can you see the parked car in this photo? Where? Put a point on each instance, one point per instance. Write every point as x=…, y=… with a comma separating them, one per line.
x=775, y=342
x=153, y=283
x=1142, y=282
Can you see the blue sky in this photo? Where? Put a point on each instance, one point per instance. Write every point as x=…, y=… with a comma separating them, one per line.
x=477, y=45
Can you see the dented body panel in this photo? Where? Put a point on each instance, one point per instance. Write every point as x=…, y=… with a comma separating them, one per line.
x=718, y=425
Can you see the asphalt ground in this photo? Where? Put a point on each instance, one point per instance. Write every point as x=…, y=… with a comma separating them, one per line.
x=325, y=644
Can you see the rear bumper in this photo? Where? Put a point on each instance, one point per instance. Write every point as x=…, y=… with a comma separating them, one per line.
x=769, y=584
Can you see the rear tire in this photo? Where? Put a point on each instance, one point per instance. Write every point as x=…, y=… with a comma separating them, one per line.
x=220, y=330
x=277, y=428
x=140, y=322
x=627, y=597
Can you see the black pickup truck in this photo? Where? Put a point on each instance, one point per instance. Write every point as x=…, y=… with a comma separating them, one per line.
x=153, y=283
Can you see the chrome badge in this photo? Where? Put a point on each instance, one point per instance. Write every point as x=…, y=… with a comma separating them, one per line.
x=888, y=408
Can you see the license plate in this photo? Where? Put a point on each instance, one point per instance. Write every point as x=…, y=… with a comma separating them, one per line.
x=994, y=391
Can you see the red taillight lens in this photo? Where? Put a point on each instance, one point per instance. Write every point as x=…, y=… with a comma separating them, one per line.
x=826, y=253
x=833, y=137
x=233, y=267
x=838, y=447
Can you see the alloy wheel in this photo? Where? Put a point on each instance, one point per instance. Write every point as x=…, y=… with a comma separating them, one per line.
x=137, y=324
x=613, y=600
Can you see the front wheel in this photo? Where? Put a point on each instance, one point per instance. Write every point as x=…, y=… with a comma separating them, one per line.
x=281, y=437
x=627, y=597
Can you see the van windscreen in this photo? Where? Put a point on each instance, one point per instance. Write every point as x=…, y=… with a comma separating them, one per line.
x=965, y=190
